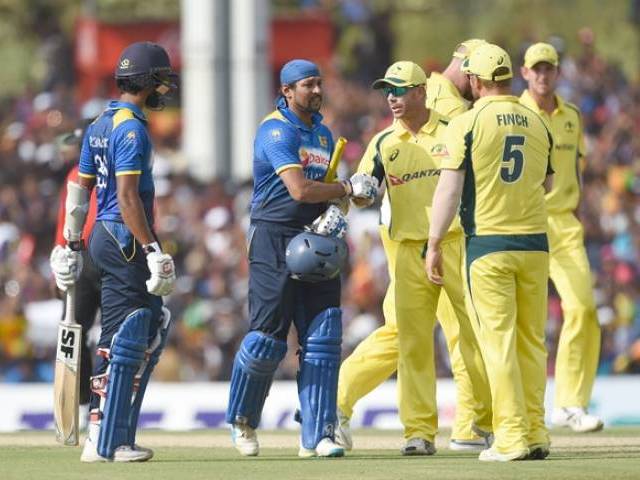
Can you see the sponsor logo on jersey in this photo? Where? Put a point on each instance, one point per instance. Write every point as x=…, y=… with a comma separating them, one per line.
x=407, y=177
x=313, y=158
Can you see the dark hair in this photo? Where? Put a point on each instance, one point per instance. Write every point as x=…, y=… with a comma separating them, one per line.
x=134, y=84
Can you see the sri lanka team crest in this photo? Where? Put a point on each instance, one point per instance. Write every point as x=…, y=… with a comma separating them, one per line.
x=324, y=141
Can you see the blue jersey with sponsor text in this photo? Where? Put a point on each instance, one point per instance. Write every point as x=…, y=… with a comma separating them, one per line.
x=117, y=143
x=283, y=141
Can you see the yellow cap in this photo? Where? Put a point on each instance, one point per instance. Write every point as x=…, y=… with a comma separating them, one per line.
x=470, y=45
x=540, y=52
x=402, y=74
x=485, y=60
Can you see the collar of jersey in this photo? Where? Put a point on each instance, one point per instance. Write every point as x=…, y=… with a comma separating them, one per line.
x=428, y=128
x=445, y=82
x=495, y=98
x=117, y=105
x=528, y=101
x=316, y=118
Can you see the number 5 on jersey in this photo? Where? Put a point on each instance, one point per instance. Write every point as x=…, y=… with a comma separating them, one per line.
x=512, y=159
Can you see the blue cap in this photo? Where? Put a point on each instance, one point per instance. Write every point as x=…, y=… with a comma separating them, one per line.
x=298, y=69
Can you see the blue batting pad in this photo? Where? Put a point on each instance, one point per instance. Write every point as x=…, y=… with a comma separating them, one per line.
x=318, y=377
x=127, y=354
x=253, y=370
x=146, y=369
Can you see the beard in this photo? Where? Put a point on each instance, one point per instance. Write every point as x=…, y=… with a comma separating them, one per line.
x=314, y=104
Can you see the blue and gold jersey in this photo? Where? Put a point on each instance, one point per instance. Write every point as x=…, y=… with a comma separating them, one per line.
x=282, y=142
x=117, y=143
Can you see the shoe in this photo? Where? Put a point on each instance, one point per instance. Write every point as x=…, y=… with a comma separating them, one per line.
x=577, y=419
x=484, y=434
x=418, y=446
x=343, y=432
x=325, y=448
x=245, y=439
x=124, y=453
x=491, y=455
x=471, y=445
x=538, y=451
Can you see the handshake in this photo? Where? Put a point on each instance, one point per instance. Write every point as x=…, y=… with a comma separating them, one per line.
x=361, y=189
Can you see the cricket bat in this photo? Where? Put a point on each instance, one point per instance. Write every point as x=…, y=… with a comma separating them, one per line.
x=66, y=386
x=332, y=171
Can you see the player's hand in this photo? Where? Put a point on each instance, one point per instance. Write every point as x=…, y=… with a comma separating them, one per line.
x=363, y=187
x=66, y=265
x=433, y=265
x=331, y=223
x=163, y=272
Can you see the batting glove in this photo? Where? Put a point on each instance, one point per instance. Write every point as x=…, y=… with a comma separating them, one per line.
x=363, y=187
x=331, y=223
x=163, y=271
x=66, y=265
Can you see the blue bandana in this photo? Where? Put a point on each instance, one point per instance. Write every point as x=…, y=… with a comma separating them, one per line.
x=297, y=70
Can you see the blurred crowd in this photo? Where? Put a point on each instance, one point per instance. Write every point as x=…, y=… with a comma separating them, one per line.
x=203, y=226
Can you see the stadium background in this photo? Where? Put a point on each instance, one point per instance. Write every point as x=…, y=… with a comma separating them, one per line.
x=56, y=59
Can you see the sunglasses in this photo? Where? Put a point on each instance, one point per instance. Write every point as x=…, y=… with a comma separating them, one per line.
x=396, y=91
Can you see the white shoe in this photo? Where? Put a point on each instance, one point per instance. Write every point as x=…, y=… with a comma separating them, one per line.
x=245, y=439
x=491, y=455
x=418, y=446
x=325, y=448
x=124, y=453
x=577, y=419
x=343, y=432
x=472, y=445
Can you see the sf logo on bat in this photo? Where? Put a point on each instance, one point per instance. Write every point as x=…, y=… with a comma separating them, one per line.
x=67, y=344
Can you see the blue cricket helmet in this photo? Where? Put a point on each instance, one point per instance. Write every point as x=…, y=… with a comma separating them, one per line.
x=315, y=258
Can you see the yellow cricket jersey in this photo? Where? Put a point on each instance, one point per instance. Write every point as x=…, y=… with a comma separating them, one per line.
x=568, y=147
x=505, y=149
x=410, y=167
x=444, y=97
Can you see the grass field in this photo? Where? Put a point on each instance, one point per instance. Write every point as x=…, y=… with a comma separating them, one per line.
x=607, y=455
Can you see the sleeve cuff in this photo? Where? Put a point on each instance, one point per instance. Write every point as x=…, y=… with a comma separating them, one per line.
x=287, y=167
x=86, y=175
x=128, y=172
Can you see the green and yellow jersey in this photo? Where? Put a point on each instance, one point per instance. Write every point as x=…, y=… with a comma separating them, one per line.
x=568, y=148
x=444, y=97
x=410, y=167
x=505, y=149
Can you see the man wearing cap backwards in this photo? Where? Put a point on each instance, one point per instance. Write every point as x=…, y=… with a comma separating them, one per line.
x=134, y=273
x=406, y=155
x=497, y=168
x=579, y=344
x=376, y=357
x=292, y=151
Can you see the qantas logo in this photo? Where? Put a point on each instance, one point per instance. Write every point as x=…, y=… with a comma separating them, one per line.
x=407, y=177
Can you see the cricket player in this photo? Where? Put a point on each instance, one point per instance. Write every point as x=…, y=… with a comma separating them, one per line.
x=88, y=284
x=376, y=358
x=292, y=152
x=406, y=155
x=497, y=169
x=134, y=272
x=579, y=343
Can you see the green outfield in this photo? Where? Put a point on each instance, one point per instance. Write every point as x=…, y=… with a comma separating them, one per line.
x=611, y=454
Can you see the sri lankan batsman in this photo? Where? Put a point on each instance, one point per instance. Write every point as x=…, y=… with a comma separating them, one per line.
x=376, y=358
x=579, y=344
x=497, y=170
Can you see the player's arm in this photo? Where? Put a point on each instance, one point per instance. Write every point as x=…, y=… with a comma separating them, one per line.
x=447, y=196
x=304, y=190
x=132, y=209
x=280, y=143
